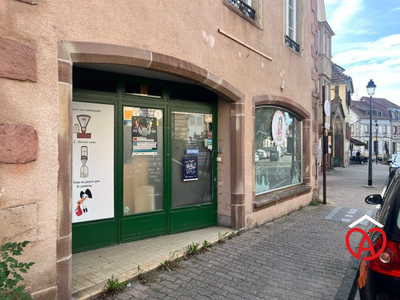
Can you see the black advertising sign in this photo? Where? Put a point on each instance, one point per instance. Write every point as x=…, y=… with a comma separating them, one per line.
x=190, y=171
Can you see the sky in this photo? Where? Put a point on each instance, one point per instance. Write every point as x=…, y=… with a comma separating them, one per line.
x=367, y=44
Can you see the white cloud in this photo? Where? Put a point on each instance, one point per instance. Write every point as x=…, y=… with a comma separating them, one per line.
x=378, y=60
x=371, y=58
x=383, y=49
x=344, y=11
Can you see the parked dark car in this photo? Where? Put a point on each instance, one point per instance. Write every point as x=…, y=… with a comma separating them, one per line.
x=394, y=164
x=379, y=278
x=262, y=154
x=273, y=153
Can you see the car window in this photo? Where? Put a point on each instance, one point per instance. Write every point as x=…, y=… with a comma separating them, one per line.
x=387, y=188
x=398, y=220
x=390, y=194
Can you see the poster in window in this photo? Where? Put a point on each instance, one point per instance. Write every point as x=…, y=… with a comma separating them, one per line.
x=279, y=128
x=92, y=162
x=144, y=135
x=190, y=171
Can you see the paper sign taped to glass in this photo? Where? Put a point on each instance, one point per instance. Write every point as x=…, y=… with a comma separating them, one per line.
x=278, y=128
x=190, y=171
x=144, y=135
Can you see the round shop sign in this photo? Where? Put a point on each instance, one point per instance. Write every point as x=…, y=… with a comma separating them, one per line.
x=327, y=108
x=158, y=114
x=279, y=128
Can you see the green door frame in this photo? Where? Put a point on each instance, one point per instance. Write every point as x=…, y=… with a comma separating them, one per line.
x=194, y=216
x=114, y=231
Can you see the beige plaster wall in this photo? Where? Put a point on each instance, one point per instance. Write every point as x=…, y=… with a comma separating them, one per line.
x=184, y=29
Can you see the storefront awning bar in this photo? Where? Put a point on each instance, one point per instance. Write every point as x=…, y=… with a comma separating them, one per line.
x=357, y=142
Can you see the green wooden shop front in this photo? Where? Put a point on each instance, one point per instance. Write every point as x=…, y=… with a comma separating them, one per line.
x=144, y=158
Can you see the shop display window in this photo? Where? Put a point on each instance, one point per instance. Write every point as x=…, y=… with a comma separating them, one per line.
x=278, y=149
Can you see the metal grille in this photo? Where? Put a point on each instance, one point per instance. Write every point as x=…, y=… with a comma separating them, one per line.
x=244, y=8
x=292, y=44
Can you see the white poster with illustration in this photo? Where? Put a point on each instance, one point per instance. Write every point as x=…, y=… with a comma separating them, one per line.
x=279, y=128
x=92, y=162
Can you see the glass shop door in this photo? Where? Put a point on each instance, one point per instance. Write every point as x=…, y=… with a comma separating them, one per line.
x=169, y=176
x=192, y=172
x=143, y=194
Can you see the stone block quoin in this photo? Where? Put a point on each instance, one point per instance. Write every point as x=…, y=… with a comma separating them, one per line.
x=18, y=60
x=19, y=143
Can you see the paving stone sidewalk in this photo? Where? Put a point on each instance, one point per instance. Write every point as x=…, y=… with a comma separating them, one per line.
x=346, y=186
x=300, y=256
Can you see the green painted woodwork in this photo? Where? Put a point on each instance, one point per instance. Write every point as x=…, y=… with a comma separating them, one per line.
x=187, y=98
x=143, y=226
x=191, y=218
x=91, y=235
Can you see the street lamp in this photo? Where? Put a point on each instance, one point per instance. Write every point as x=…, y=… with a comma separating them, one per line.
x=371, y=91
x=376, y=142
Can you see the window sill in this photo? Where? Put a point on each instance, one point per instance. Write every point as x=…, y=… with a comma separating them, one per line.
x=292, y=45
x=280, y=196
x=238, y=12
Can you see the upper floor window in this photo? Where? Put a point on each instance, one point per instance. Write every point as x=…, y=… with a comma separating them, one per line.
x=328, y=45
x=291, y=25
x=394, y=130
x=291, y=19
x=246, y=7
x=379, y=114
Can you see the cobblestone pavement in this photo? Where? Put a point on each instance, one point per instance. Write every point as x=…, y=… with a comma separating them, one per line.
x=345, y=186
x=300, y=256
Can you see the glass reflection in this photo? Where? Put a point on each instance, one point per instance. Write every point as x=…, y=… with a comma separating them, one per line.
x=277, y=158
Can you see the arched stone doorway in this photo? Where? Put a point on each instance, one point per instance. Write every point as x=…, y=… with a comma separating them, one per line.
x=73, y=53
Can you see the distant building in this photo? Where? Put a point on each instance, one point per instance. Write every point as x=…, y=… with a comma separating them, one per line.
x=325, y=34
x=341, y=91
x=385, y=125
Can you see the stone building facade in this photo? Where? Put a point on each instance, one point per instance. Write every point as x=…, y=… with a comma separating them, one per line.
x=342, y=89
x=325, y=34
x=95, y=100
x=385, y=123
